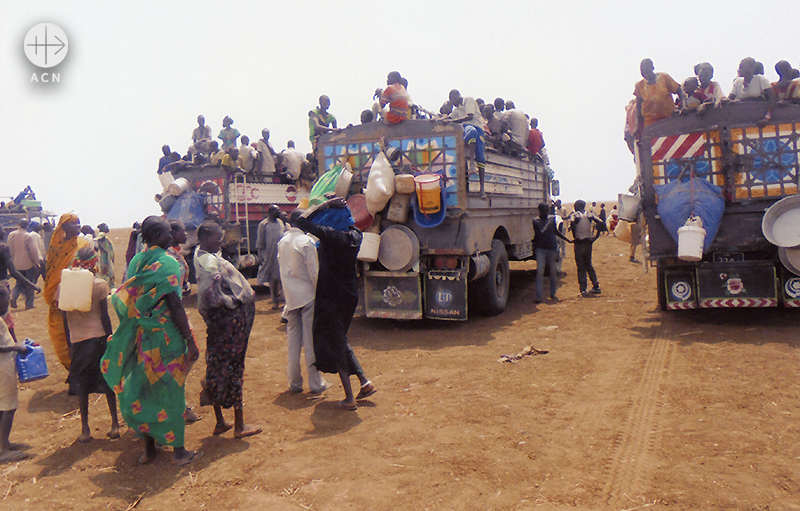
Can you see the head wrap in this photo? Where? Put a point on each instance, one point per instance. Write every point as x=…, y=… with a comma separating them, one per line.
x=59, y=255
x=86, y=258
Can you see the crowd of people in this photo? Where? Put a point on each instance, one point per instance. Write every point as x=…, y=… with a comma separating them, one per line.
x=143, y=364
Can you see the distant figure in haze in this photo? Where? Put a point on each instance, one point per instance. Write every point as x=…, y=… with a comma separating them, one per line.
x=786, y=90
x=654, y=95
x=166, y=159
x=270, y=231
x=229, y=134
x=266, y=155
x=396, y=96
x=320, y=121
x=105, y=263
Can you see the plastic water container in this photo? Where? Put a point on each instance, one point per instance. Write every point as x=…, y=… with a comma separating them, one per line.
x=165, y=179
x=76, y=290
x=429, y=193
x=178, y=186
x=370, y=244
x=404, y=183
x=690, y=240
x=32, y=365
x=398, y=208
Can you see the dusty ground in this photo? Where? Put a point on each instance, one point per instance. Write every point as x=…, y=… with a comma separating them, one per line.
x=631, y=408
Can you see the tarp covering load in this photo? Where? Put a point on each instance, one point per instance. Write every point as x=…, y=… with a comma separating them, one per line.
x=188, y=208
x=678, y=200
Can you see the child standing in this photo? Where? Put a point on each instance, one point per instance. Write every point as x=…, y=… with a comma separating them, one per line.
x=8, y=384
x=87, y=334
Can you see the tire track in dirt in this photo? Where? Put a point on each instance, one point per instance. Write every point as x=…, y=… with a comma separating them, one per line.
x=629, y=464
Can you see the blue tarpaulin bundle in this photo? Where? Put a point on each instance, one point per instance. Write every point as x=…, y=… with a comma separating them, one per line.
x=678, y=200
x=188, y=208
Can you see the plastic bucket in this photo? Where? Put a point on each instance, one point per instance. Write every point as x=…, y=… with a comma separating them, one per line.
x=429, y=193
x=178, y=186
x=370, y=245
x=399, y=250
x=628, y=207
x=358, y=208
x=32, y=365
x=690, y=243
x=343, y=183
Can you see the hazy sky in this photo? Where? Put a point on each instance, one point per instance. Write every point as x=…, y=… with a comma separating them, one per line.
x=137, y=74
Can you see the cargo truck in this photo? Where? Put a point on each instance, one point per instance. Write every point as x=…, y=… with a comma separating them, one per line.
x=755, y=165
x=461, y=254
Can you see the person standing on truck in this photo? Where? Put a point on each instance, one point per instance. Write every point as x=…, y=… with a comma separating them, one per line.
x=581, y=225
x=467, y=113
x=229, y=134
x=654, y=95
x=545, y=245
x=320, y=121
x=266, y=155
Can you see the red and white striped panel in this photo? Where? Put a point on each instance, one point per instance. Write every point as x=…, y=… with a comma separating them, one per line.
x=681, y=306
x=713, y=303
x=678, y=146
x=791, y=303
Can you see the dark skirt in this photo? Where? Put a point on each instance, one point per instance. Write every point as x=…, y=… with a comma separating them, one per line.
x=228, y=332
x=84, y=372
x=331, y=321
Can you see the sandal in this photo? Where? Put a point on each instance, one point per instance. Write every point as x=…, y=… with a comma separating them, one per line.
x=144, y=459
x=222, y=428
x=367, y=390
x=350, y=407
x=195, y=455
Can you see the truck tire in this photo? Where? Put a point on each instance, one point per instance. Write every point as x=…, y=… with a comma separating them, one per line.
x=490, y=292
x=661, y=287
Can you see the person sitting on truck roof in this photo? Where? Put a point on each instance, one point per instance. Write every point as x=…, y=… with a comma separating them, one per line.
x=216, y=154
x=707, y=91
x=654, y=95
x=535, y=139
x=517, y=128
x=466, y=113
x=367, y=116
x=750, y=86
x=247, y=154
x=266, y=155
x=166, y=159
x=229, y=134
x=446, y=109
x=690, y=86
x=231, y=158
x=786, y=89
x=293, y=160
x=320, y=120
x=396, y=96
x=493, y=128
x=201, y=135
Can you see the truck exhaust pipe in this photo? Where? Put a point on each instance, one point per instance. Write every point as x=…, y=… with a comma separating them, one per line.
x=478, y=267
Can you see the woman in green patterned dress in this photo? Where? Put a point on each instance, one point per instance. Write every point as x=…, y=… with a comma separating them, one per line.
x=145, y=362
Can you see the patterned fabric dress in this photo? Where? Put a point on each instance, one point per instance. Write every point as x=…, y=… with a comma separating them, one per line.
x=59, y=257
x=145, y=362
x=105, y=266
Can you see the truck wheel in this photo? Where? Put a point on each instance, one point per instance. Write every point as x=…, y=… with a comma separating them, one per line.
x=490, y=292
x=661, y=287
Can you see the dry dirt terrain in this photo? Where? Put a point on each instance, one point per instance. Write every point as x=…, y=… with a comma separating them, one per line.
x=631, y=408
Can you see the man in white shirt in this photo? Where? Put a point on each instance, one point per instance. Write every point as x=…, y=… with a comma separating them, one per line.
x=266, y=155
x=247, y=154
x=299, y=267
x=201, y=136
x=25, y=253
x=468, y=114
x=292, y=160
x=518, y=126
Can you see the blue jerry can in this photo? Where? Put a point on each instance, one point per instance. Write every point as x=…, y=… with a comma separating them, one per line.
x=32, y=365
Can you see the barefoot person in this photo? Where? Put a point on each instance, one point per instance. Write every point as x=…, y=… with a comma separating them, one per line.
x=87, y=333
x=337, y=294
x=227, y=303
x=9, y=400
x=145, y=362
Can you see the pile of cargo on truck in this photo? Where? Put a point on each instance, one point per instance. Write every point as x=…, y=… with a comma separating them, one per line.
x=737, y=170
